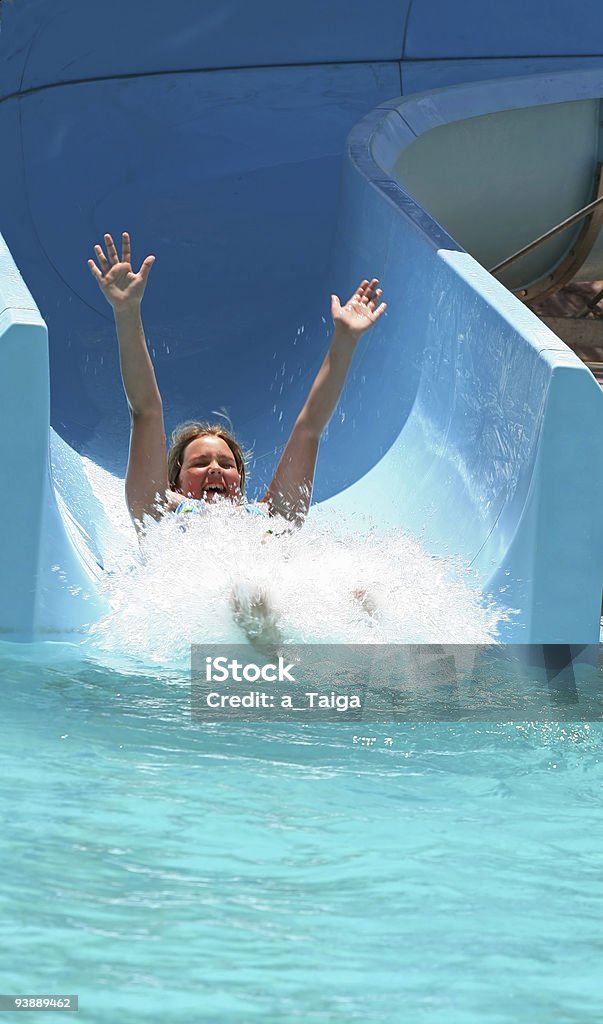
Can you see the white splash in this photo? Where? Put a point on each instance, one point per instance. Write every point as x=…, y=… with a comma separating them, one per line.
x=116, y=535
x=324, y=583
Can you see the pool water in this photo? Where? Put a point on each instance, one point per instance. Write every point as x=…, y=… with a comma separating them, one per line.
x=163, y=868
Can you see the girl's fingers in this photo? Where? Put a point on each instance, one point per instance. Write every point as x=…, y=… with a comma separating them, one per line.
x=95, y=271
x=111, y=249
x=146, y=267
x=366, y=290
x=126, y=249
x=375, y=299
x=361, y=290
x=102, y=259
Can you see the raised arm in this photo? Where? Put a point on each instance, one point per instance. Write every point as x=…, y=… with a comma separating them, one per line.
x=146, y=476
x=290, y=490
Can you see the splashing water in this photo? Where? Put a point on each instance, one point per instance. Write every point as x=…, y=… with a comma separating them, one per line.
x=326, y=583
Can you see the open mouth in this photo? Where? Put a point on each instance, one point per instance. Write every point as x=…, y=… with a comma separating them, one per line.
x=214, y=489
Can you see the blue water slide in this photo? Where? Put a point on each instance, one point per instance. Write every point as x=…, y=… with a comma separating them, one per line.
x=266, y=159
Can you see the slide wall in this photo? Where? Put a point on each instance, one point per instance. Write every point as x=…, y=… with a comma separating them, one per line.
x=217, y=137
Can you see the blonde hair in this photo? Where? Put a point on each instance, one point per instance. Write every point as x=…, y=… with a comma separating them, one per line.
x=188, y=432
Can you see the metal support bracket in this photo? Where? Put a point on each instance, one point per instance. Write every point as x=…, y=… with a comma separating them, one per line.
x=569, y=265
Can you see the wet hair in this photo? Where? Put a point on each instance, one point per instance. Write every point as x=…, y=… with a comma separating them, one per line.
x=188, y=432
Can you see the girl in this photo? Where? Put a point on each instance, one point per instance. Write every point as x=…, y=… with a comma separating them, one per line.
x=206, y=462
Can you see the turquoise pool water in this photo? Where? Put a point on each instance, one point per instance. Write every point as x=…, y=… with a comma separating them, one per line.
x=167, y=869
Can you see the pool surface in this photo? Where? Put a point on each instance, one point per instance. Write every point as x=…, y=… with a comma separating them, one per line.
x=154, y=865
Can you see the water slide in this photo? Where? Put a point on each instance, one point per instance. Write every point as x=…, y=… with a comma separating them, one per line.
x=267, y=157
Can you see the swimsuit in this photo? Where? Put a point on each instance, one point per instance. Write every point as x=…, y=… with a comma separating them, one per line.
x=198, y=507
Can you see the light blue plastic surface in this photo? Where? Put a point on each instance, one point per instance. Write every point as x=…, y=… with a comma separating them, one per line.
x=220, y=148
x=49, y=571
x=499, y=163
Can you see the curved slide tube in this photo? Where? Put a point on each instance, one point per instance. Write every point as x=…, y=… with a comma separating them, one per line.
x=466, y=421
x=500, y=426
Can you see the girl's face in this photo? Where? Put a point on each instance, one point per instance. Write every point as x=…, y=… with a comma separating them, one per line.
x=209, y=470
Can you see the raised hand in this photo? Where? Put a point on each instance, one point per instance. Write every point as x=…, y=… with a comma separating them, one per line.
x=360, y=312
x=116, y=279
